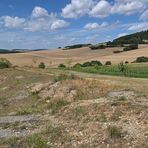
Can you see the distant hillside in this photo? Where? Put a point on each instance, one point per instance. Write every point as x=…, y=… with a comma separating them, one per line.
x=136, y=38
x=6, y=51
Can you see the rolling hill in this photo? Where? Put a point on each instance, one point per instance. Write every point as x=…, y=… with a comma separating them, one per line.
x=136, y=38
x=54, y=57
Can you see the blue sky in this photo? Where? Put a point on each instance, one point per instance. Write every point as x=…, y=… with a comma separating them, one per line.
x=53, y=23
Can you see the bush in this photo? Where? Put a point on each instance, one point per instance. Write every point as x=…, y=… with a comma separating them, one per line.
x=92, y=63
x=95, y=47
x=61, y=66
x=142, y=59
x=78, y=65
x=131, y=47
x=86, y=64
x=108, y=63
x=96, y=63
x=4, y=63
x=126, y=62
x=42, y=65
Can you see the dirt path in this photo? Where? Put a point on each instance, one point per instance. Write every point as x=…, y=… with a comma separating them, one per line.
x=12, y=119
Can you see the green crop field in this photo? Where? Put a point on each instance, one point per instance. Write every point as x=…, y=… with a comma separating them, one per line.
x=133, y=70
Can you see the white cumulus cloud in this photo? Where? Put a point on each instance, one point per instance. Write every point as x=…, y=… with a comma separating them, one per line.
x=77, y=8
x=102, y=9
x=127, y=7
x=139, y=26
x=40, y=20
x=39, y=12
x=91, y=26
x=13, y=22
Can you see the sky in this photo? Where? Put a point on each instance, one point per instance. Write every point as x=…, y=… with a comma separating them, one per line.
x=38, y=24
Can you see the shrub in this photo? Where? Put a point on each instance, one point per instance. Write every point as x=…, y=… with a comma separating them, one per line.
x=4, y=63
x=86, y=64
x=131, y=47
x=142, y=59
x=42, y=65
x=94, y=63
x=78, y=65
x=114, y=132
x=95, y=47
x=108, y=63
x=126, y=62
x=61, y=66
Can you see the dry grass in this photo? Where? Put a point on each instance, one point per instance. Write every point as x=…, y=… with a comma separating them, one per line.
x=93, y=119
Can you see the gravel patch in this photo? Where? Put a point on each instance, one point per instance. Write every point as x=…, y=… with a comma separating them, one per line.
x=13, y=119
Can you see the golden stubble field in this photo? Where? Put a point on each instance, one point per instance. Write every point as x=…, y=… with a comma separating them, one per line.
x=54, y=57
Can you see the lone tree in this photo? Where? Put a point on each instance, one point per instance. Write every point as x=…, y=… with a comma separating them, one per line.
x=123, y=68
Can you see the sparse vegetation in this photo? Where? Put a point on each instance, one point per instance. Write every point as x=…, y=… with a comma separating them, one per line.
x=54, y=122
x=56, y=105
x=64, y=76
x=36, y=141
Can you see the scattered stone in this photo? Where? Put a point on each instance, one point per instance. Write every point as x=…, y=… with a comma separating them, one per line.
x=119, y=94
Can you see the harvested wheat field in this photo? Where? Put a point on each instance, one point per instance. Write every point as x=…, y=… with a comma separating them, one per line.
x=55, y=57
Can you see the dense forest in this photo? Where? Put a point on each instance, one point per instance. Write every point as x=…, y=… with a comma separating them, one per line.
x=136, y=38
